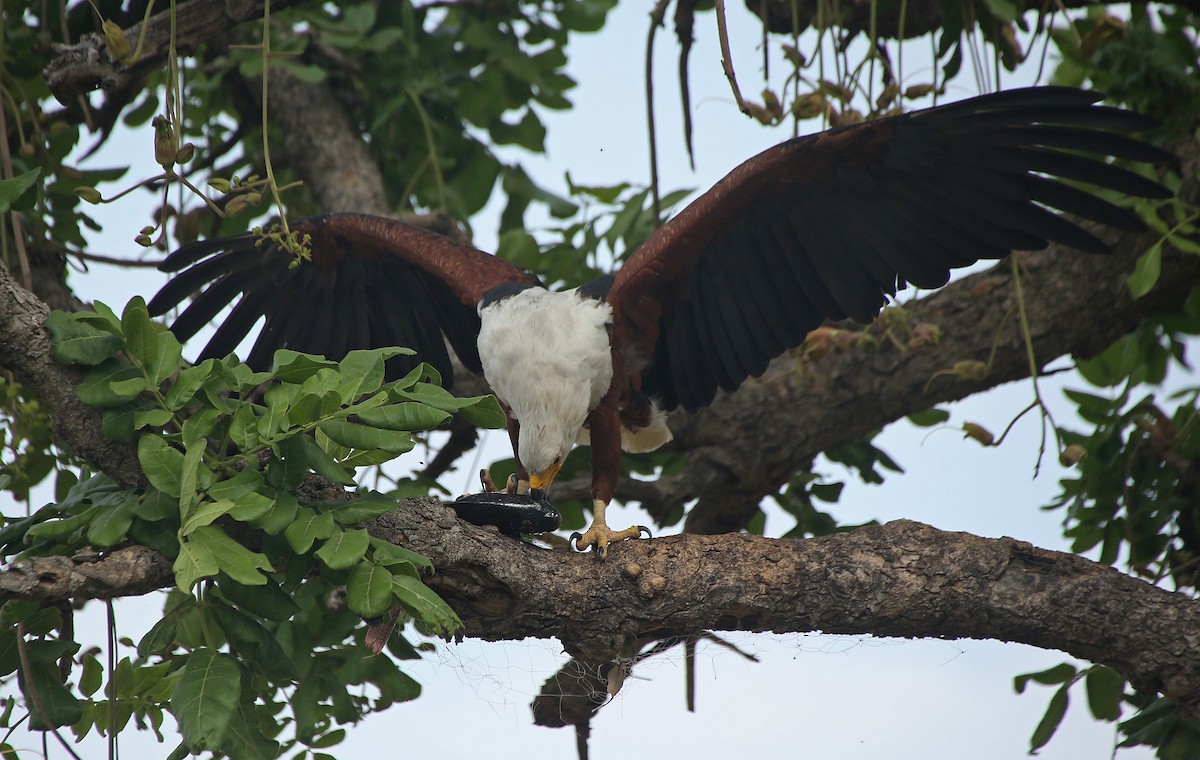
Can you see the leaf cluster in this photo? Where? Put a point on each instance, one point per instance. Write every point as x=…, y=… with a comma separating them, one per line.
x=257, y=567
x=1133, y=498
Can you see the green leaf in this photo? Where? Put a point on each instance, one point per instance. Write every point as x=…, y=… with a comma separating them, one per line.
x=160, y=639
x=1004, y=10
x=195, y=476
x=362, y=372
x=585, y=15
x=155, y=505
x=243, y=427
x=56, y=529
x=118, y=423
x=10, y=654
x=96, y=388
x=344, y=548
x=268, y=601
x=92, y=677
x=307, y=527
x=407, y=415
x=390, y=554
x=189, y=382
x=154, y=418
x=205, y=514
x=141, y=335
x=1061, y=673
x=248, y=737
x=423, y=372
x=112, y=522
x=103, y=317
x=365, y=507
x=485, y=413
x=239, y=376
x=1145, y=274
x=827, y=492
x=282, y=512
x=243, y=482
x=369, y=589
x=79, y=343
x=420, y=602
x=201, y=425
x=289, y=471
x=232, y=558
x=276, y=417
x=310, y=407
x=162, y=464
x=294, y=367
x=168, y=356
x=247, y=636
x=324, y=465
x=1105, y=687
x=20, y=192
x=252, y=507
x=929, y=417
x=1051, y=720
x=127, y=389
x=58, y=707
x=195, y=561
x=205, y=699
x=365, y=437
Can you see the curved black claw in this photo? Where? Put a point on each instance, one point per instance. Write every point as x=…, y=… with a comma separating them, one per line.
x=576, y=536
x=642, y=528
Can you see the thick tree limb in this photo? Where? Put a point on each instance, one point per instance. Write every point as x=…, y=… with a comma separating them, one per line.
x=323, y=147
x=131, y=571
x=900, y=579
x=87, y=65
x=25, y=351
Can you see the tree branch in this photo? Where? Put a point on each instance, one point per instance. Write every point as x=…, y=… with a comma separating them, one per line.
x=25, y=351
x=900, y=579
x=87, y=65
x=130, y=571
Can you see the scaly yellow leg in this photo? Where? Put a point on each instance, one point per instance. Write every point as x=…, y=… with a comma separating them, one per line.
x=600, y=535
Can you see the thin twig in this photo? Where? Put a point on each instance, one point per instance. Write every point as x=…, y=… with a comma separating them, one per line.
x=727, y=58
x=656, y=21
x=102, y=259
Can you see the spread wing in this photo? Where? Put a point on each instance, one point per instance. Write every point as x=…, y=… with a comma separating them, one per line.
x=827, y=226
x=372, y=282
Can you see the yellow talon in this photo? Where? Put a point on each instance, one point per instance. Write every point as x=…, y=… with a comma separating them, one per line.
x=600, y=535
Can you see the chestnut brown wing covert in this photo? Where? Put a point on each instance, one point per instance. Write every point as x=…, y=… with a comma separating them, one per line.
x=828, y=226
x=372, y=282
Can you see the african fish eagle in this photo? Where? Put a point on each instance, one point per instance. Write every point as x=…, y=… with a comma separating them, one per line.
x=819, y=227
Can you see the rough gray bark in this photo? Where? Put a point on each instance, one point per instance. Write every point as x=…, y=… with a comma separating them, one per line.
x=129, y=571
x=901, y=579
x=25, y=351
x=87, y=65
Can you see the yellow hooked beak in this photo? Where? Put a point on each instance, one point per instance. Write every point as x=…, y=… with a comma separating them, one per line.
x=542, y=480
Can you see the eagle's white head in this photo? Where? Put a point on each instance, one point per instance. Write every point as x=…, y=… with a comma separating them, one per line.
x=548, y=359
